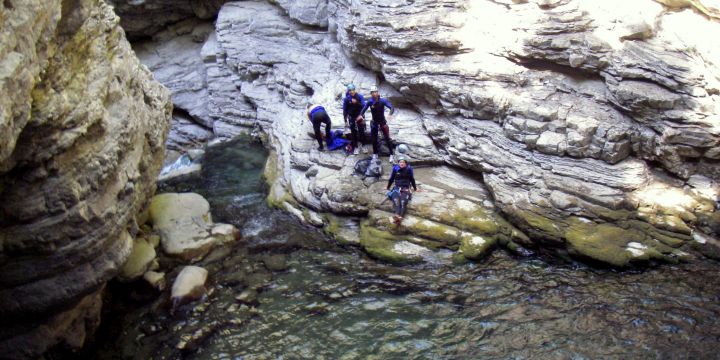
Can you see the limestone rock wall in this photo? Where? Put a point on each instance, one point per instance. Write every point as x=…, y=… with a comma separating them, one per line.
x=83, y=134
x=582, y=118
x=142, y=18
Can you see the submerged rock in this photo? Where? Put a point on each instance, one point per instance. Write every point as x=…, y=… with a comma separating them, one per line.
x=275, y=262
x=247, y=296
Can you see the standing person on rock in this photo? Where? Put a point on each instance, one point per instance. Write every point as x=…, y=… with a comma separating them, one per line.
x=353, y=103
x=403, y=177
x=377, y=106
x=318, y=116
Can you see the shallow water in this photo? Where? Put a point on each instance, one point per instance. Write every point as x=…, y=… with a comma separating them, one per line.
x=333, y=302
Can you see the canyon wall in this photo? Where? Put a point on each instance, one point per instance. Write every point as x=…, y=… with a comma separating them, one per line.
x=588, y=128
x=83, y=127
x=594, y=127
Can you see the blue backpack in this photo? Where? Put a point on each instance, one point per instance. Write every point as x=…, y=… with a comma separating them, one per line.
x=336, y=140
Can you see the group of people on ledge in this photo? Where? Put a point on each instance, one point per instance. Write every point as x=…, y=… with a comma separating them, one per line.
x=354, y=108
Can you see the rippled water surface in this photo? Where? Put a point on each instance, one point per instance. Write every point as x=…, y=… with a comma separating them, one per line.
x=317, y=300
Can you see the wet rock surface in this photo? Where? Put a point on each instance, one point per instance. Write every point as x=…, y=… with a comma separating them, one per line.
x=570, y=120
x=83, y=128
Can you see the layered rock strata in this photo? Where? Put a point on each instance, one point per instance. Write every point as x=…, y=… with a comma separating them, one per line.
x=83, y=133
x=593, y=126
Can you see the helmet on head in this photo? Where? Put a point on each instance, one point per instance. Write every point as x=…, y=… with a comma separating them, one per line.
x=373, y=89
x=402, y=158
x=350, y=87
x=403, y=149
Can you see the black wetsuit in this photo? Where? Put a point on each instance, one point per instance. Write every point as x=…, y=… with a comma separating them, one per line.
x=377, y=109
x=403, y=179
x=319, y=116
x=351, y=110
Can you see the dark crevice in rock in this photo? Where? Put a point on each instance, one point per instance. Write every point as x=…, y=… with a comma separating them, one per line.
x=182, y=113
x=553, y=67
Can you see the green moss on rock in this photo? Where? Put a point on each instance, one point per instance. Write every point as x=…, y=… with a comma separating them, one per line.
x=381, y=245
x=603, y=242
x=478, y=221
x=334, y=228
x=611, y=244
x=540, y=225
x=666, y=237
x=475, y=247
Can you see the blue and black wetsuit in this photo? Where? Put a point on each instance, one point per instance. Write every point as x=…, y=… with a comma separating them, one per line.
x=352, y=107
x=403, y=179
x=377, y=109
x=319, y=116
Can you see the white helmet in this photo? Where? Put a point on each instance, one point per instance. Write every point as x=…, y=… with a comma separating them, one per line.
x=373, y=89
x=403, y=149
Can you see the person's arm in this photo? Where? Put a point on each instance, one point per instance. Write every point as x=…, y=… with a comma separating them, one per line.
x=362, y=105
x=364, y=109
x=412, y=180
x=392, y=178
x=389, y=106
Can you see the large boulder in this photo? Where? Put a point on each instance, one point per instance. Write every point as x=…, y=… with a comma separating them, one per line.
x=185, y=225
x=82, y=126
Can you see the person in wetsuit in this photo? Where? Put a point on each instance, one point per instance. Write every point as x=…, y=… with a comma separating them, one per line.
x=377, y=106
x=403, y=178
x=318, y=116
x=353, y=103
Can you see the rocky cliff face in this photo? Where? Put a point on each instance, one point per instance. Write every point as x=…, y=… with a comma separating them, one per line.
x=593, y=127
x=83, y=134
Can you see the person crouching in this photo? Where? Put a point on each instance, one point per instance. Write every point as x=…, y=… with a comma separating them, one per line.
x=318, y=116
x=403, y=178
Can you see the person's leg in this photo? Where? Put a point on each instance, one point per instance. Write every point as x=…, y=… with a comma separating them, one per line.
x=361, y=131
x=354, y=136
x=328, y=124
x=361, y=135
x=404, y=200
x=386, y=135
x=374, y=136
x=316, y=128
x=396, y=203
